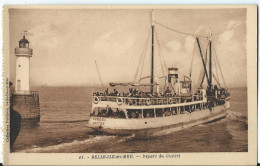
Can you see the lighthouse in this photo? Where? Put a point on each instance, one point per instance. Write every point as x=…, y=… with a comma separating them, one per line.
x=23, y=54
x=23, y=100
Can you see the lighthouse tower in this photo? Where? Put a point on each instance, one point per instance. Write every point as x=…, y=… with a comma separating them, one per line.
x=23, y=54
x=23, y=100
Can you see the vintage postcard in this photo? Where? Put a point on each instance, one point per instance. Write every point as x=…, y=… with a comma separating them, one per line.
x=130, y=85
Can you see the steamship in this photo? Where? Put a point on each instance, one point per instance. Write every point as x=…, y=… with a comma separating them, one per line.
x=153, y=112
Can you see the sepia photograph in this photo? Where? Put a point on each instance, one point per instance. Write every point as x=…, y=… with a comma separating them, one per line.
x=138, y=81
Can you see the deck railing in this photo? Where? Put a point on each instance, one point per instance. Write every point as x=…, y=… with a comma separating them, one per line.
x=143, y=101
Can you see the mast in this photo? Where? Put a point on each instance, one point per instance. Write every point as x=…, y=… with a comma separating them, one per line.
x=152, y=65
x=210, y=61
x=152, y=58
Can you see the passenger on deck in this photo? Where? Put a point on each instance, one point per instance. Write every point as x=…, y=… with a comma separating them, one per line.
x=110, y=112
x=167, y=113
x=129, y=94
x=161, y=94
x=117, y=112
x=106, y=92
x=103, y=112
x=146, y=94
x=167, y=91
x=115, y=92
x=132, y=114
x=137, y=94
x=122, y=114
x=155, y=94
x=130, y=90
x=143, y=94
x=138, y=114
x=150, y=95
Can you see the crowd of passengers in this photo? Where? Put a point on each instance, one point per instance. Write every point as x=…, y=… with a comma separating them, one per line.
x=166, y=93
x=147, y=113
x=108, y=112
x=136, y=93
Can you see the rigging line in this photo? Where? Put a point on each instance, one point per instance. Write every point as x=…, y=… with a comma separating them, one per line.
x=217, y=69
x=157, y=42
x=142, y=68
x=144, y=78
x=206, y=51
x=160, y=48
x=142, y=57
x=161, y=62
x=216, y=80
x=200, y=77
x=202, y=74
x=99, y=74
x=165, y=81
x=143, y=53
x=220, y=68
x=136, y=73
x=216, y=57
x=184, y=33
x=164, y=67
x=204, y=39
x=206, y=59
x=164, y=62
x=215, y=63
x=146, y=47
x=193, y=55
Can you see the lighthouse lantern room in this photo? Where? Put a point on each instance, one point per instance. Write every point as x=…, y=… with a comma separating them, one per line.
x=23, y=54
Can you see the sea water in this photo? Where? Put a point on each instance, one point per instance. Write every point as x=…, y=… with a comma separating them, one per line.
x=65, y=111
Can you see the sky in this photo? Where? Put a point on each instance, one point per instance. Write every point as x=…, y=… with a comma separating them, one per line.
x=67, y=42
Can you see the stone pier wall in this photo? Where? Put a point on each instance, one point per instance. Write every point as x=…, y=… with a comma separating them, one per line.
x=27, y=105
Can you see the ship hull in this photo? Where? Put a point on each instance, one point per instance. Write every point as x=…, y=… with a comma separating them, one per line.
x=157, y=126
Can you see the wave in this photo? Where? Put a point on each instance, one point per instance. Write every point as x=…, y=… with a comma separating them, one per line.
x=125, y=138
x=66, y=146
x=237, y=116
